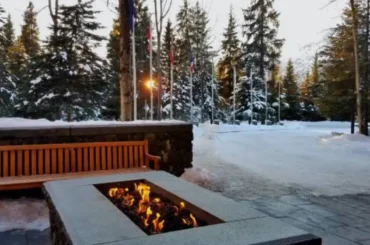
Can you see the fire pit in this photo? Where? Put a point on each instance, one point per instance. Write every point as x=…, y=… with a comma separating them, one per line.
x=156, y=208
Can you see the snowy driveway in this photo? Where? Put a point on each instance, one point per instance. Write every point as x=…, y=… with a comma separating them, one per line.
x=247, y=161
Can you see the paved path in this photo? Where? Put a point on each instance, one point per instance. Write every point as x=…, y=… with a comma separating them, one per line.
x=343, y=220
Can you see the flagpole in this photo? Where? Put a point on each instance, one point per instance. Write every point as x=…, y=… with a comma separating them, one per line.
x=191, y=96
x=134, y=68
x=151, y=69
x=212, y=84
x=279, y=103
x=251, y=78
x=171, y=82
x=234, y=99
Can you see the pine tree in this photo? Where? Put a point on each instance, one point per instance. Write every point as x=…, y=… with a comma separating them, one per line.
x=17, y=58
x=292, y=94
x=182, y=53
x=231, y=56
x=30, y=31
x=168, y=38
x=337, y=92
x=111, y=109
x=246, y=87
x=70, y=83
x=262, y=48
x=260, y=28
x=2, y=35
x=8, y=32
x=7, y=80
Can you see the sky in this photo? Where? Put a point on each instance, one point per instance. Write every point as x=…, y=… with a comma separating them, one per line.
x=303, y=23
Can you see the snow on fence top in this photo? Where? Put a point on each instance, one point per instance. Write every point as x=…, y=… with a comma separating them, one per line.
x=22, y=122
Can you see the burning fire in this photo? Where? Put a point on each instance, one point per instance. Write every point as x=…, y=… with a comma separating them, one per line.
x=149, y=209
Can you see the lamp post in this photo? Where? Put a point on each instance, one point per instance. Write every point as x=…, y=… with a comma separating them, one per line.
x=150, y=85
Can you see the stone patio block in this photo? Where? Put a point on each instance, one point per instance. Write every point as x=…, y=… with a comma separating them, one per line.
x=15, y=237
x=38, y=237
x=317, y=209
x=314, y=219
x=327, y=238
x=337, y=206
x=350, y=220
x=294, y=200
x=350, y=233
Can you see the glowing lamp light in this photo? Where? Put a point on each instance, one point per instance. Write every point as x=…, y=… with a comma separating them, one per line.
x=150, y=84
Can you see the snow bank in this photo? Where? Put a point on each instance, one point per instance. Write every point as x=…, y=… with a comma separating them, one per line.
x=14, y=122
x=29, y=214
x=299, y=156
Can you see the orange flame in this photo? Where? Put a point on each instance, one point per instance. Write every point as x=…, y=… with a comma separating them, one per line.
x=148, y=214
x=195, y=224
x=144, y=191
x=156, y=200
x=186, y=222
x=112, y=192
x=158, y=226
x=182, y=205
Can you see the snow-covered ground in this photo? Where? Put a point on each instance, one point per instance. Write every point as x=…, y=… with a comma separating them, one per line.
x=244, y=162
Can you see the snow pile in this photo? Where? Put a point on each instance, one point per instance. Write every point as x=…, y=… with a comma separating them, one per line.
x=29, y=214
x=297, y=157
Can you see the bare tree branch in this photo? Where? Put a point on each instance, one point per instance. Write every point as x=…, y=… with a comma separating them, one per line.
x=328, y=4
x=42, y=9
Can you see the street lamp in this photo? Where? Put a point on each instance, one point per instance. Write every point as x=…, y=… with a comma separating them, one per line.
x=150, y=85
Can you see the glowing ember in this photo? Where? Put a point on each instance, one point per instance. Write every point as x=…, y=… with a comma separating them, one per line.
x=153, y=214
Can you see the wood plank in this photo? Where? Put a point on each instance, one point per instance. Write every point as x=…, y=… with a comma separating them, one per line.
x=109, y=158
x=86, y=159
x=136, y=156
x=141, y=155
x=120, y=157
x=114, y=157
x=5, y=164
x=92, y=159
x=68, y=145
x=98, y=158
x=126, y=160
x=19, y=163
x=47, y=161
x=72, y=153
x=40, y=162
x=79, y=160
x=33, y=162
x=60, y=161
x=131, y=153
x=12, y=164
x=103, y=158
x=66, y=162
x=35, y=181
x=54, y=162
x=26, y=163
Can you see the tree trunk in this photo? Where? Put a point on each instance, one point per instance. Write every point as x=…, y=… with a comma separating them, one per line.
x=353, y=115
x=124, y=58
x=357, y=67
x=366, y=77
